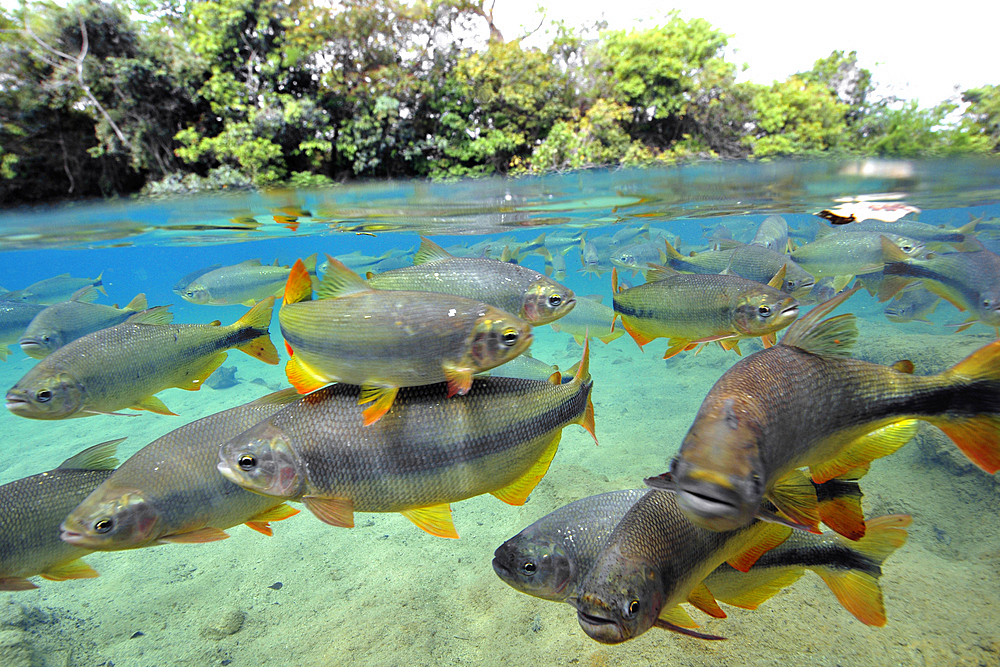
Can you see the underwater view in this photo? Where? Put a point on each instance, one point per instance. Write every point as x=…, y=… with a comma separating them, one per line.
x=774, y=389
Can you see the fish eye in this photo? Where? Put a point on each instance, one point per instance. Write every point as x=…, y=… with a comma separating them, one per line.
x=555, y=300
x=45, y=338
x=509, y=337
x=764, y=311
x=190, y=293
x=792, y=284
x=633, y=609
x=529, y=567
x=103, y=525
x=43, y=396
x=247, y=462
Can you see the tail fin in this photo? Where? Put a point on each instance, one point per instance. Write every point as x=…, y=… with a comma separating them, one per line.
x=259, y=319
x=857, y=587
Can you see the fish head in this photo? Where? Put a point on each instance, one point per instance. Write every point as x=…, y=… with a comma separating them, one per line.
x=534, y=565
x=718, y=474
x=497, y=337
x=546, y=301
x=41, y=343
x=899, y=311
x=798, y=283
x=989, y=310
x=763, y=312
x=620, y=598
x=196, y=293
x=46, y=396
x=112, y=520
x=262, y=460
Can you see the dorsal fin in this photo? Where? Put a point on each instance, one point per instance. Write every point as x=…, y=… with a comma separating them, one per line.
x=832, y=337
x=154, y=315
x=658, y=272
x=98, y=457
x=87, y=294
x=138, y=303
x=340, y=281
x=429, y=252
x=778, y=281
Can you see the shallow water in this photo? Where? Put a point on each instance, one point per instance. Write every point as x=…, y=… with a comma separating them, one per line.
x=385, y=592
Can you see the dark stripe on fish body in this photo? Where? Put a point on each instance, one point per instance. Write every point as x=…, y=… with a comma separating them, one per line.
x=837, y=489
x=830, y=555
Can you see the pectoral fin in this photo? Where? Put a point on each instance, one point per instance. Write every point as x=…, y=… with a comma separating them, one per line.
x=303, y=378
x=381, y=399
x=75, y=569
x=153, y=404
x=703, y=599
x=795, y=496
x=459, y=380
x=196, y=536
x=866, y=448
x=261, y=522
x=334, y=511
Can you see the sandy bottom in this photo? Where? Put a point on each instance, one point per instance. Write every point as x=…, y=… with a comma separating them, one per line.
x=386, y=593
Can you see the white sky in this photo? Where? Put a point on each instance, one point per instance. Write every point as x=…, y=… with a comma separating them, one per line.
x=914, y=50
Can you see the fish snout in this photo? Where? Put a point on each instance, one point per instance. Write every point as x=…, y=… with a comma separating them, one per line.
x=598, y=619
x=712, y=501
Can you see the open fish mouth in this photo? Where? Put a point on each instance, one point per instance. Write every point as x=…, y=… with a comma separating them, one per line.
x=710, y=511
x=599, y=628
x=791, y=310
x=501, y=570
x=15, y=402
x=71, y=536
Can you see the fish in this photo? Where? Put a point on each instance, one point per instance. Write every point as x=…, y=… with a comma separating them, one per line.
x=56, y=289
x=637, y=257
x=691, y=309
x=806, y=403
x=125, y=365
x=523, y=366
x=591, y=318
x=510, y=287
x=15, y=316
x=64, y=322
x=244, y=283
x=424, y=454
x=171, y=492
x=913, y=304
x=772, y=234
x=753, y=262
x=387, y=339
x=847, y=255
x=550, y=558
x=655, y=559
x=918, y=231
x=968, y=280
x=34, y=506
x=179, y=286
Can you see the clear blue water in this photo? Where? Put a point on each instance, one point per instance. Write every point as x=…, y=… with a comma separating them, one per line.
x=384, y=593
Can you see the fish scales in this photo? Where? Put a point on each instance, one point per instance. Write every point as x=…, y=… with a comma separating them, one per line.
x=64, y=322
x=171, y=487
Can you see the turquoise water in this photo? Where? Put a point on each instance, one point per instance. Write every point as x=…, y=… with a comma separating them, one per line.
x=386, y=593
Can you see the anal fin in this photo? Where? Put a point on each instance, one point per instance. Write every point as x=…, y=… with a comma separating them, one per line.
x=517, y=492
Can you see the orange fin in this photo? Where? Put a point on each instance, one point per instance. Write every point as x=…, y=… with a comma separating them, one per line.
x=199, y=536
x=381, y=399
x=299, y=286
x=261, y=522
x=334, y=511
x=677, y=345
x=769, y=536
x=16, y=584
x=459, y=380
x=302, y=377
x=769, y=340
x=903, y=366
x=640, y=338
x=795, y=496
x=435, y=520
x=703, y=599
x=153, y=404
x=866, y=448
x=517, y=492
x=840, y=504
x=75, y=569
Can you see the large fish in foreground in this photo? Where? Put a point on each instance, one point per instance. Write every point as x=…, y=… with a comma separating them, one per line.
x=171, y=490
x=550, y=558
x=386, y=339
x=125, y=365
x=804, y=403
x=426, y=452
x=692, y=309
x=509, y=287
x=31, y=510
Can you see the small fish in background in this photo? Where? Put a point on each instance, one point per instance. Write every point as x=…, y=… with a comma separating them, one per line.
x=918, y=231
x=550, y=558
x=555, y=264
x=752, y=262
x=386, y=339
x=361, y=263
x=968, y=280
x=595, y=256
x=589, y=317
x=772, y=234
x=689, y=309
x=33, y=508
x=245, y=283
x=845, y=256
x=181, y=284
x=806, y=403
x=125, y=365
x=523, y=366
x=913, y=304
x=636, y=258
x=823, y=290
x=630, y=235
x=15, y=316
x=54, y=290
x=428, y=451
x=510, y=287
x=64, y=322
x=170, y=491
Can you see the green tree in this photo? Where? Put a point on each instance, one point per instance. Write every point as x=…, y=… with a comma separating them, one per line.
x=982, y=118
x=795, y=117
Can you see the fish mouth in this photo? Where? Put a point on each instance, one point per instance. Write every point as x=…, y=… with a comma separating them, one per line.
x=71, y=536
x=792, y=311
x=712, y=508
x=501, y=570
x=600, y=628
x=16, y=402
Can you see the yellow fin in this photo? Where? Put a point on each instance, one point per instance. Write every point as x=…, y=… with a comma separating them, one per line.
x=829, y=337
x=657, y=272
x=753, y=598
x=334, y=511
x=903, y=366
x=259, y=319
x=261, y=522
x=429, y=252
x=98, y=457
x=779, y=278
x=459, y=380
x=858, y=592
x=840, y=282
x=4, y=353
x=769, y=535
x=153, y=404
x=194, y=384
x=865, y=449
x=435, y=520
x=199, y=536
x=138, y=303
x=75, y=569
x=517, y=492
x=676, y=346
x=672, y=252
x=303, y=378
x=795, y=496
x=381, y=399
x=340, y=281
x=157, y=315
x=703, y=599
x=677, y=616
